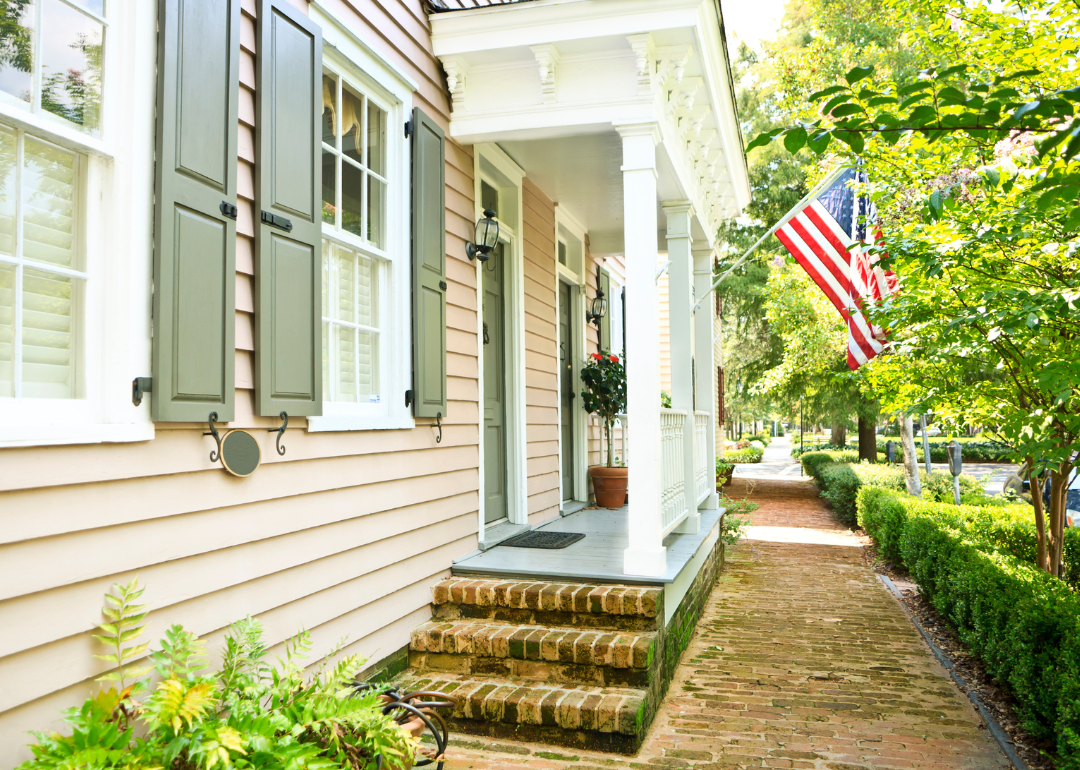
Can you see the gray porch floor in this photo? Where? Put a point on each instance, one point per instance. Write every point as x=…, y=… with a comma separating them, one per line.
x=598, y=557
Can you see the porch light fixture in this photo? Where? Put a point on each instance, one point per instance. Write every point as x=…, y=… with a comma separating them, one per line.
x=486, y=237
x=599, y=304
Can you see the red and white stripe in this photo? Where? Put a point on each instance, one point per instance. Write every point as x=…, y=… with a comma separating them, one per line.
x=847, y=277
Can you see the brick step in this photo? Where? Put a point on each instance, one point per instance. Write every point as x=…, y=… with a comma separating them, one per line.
x=578, y=605
x=537, y=653
x=597, y=718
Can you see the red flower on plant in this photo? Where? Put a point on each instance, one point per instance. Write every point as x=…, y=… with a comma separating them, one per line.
x=597, y=356
x=614, y=359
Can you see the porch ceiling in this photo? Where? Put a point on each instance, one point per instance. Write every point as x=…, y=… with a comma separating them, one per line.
x=549, y=80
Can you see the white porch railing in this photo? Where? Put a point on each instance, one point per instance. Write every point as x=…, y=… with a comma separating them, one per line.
x=673, y=502
x=701, y=459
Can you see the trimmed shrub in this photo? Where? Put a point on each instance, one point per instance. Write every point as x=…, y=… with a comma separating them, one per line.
x=748, y=455
x=812, y=461
x=1022, y=623
x=970, y=451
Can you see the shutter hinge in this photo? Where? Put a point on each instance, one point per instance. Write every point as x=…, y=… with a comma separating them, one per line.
x=227, y=209
x=140, y=386
x=408, y=398
x=408, y=128
x=442, y=285
x=276, y=221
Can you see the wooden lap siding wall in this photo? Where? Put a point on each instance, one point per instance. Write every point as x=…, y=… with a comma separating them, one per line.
x=344, y=535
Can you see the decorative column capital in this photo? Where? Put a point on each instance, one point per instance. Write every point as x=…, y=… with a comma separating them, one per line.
x=547, y=58
x=457, y=72
x=639, y=145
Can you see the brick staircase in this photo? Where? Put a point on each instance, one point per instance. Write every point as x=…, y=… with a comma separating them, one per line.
x=567, y=664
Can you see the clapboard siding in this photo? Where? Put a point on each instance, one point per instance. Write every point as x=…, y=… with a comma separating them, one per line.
x=343, y=535
x=541, y=329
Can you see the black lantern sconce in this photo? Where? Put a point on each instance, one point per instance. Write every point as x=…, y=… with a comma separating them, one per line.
x=486, y=237
x=598, y=309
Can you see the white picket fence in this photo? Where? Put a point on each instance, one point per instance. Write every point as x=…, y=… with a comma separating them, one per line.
x=673, y=500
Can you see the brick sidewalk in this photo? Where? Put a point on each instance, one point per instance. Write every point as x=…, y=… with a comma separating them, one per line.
x=802, y=660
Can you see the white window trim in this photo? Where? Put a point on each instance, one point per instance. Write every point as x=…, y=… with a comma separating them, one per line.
x=347, y=56
x=118, y=225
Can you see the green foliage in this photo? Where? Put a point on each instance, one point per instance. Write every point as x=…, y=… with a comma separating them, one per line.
x=976, y=565
x=250, y=715
x=604, y=394
x=748, y=455
x=733, y=525
x=665, y=399
x=970, y=451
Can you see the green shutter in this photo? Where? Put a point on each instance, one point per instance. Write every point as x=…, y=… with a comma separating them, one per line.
x=288, y=235
x=605, y=322
x=195, y=187
x=428, y=267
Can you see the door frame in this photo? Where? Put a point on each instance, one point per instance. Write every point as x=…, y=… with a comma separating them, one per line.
x=492, y=165
x=566, y=223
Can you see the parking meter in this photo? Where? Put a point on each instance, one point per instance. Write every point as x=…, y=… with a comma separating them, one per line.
x=890, y=452
x=956, y=465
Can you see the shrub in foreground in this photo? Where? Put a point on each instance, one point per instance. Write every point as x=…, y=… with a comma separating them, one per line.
x=1023, y=623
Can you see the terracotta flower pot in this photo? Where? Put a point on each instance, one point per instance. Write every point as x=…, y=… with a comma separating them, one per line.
x=609, y=484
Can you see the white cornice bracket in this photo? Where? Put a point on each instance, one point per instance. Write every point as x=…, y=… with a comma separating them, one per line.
x=547, y=57
x=457, y=73
x=644, y=56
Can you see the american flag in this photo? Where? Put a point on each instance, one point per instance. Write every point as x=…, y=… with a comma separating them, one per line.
x=825, y=236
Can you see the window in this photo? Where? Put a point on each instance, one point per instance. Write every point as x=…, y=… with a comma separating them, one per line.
x=365, y=213
x=51, y=57
x=76, y=170
x=41, y=279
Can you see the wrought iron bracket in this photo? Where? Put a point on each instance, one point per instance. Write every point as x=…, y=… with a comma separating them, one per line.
x=280, y=432
x=215, y=454
x=438, y=424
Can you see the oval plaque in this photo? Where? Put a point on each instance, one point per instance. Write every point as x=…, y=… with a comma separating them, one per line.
x=240, y=454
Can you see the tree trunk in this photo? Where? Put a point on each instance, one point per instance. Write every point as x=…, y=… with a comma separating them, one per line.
x=609, y=435
x=1042, y=552
x=911, y=462
x=838, y=436
x=867, y=440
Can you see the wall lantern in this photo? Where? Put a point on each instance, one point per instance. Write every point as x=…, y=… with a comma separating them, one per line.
x=487, y=237
x=599, y=304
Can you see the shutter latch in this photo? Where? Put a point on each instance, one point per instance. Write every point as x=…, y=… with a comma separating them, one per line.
x=408, y=128
x=139, y=387
x=408, y=398
x=276, y=221
x=227, y=209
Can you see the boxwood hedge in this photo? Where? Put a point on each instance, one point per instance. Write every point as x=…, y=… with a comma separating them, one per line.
x=974, y=564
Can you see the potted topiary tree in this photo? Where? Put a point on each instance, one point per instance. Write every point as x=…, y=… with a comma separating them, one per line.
x=604, y=395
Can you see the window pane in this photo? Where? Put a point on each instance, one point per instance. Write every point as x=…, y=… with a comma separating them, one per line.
x=326, y=360
x=329, y=114
x=367, y=374
x=97, y=6
x=345, y=280
x=7, y=329
x=329, y=188
x=489, y=197
x=346, y=362
x=351, y=112
x=17, y=48
x=71, y=48
x=48, y=210
x=7, y=191
x=47, y=335
x=376, y=210
x=562, y=252
x=376, y=139
x=352, y=184
x=366, y=292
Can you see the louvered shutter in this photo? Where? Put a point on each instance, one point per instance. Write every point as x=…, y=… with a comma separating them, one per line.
x=429, y=267
x=195, y=189
x=288, y=272
x=605, y=322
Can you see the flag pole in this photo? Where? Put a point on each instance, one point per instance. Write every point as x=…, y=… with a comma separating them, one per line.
x=828, y=180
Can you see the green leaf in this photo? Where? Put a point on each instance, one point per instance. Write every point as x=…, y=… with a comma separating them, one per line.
x=835, y=102
x=819, y=141
x=992, y=175
x=1021, y=74
x=1073, y=221
x=855, y=74
x=109, y=628
x=763, y=139
x=846, y=109
x=913, y=87
x=794, y=140
x=922, y=115
x=934, y=202
x=852, y=139
x=826, y=92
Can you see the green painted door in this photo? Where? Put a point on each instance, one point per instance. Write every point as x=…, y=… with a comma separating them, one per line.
x=566, y=391
x=494, y=388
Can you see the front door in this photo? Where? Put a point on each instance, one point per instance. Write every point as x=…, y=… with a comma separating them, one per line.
x=566, y=391
x=494, y=388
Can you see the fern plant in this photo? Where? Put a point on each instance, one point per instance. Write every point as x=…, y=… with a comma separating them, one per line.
x=248, y=715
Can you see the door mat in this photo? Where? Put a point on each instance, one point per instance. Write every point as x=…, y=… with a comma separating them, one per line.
x=538, y=538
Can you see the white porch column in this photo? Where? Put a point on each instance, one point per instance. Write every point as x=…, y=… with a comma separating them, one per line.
x=646, y=554
x=680, y=301
x=706, y=363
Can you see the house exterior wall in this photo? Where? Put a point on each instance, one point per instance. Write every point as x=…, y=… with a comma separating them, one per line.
x=344, y=535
